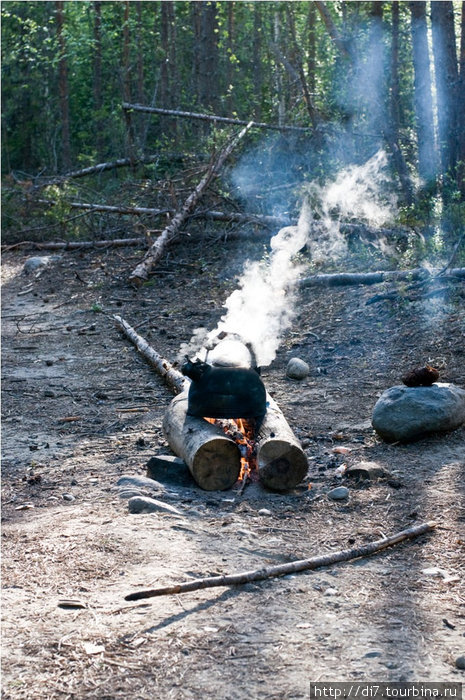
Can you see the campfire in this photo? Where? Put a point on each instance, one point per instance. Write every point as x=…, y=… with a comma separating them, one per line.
x=228, y=429
x=242, y=431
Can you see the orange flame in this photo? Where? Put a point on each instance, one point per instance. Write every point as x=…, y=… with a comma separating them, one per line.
x=242, y=432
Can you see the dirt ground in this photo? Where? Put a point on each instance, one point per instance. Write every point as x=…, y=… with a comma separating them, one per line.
x=68, y=535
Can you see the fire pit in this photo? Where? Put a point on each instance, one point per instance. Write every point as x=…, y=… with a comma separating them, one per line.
x=226, y=427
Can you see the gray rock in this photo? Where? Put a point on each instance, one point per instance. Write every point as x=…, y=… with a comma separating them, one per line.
x=339, y=493
x=129, y=493
x=367, y=470
x=170, y=470
x=143, y=504
x=405, y=413
x=460, y=663
x=138, y=482
x=297, y=368
x=37, y=262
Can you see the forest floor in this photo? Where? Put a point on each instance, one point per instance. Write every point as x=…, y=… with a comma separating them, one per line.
x=66, y=533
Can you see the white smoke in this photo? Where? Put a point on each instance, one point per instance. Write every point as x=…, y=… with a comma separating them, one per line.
x=359, y=192
x=262, y=308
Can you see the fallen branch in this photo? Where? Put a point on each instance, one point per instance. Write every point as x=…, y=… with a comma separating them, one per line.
x=78, y=245
x=172, y=378
x=137, y=211
x=284, y=569
x=113, y=165
x=155, y=252
x=209, y=117
x=353, y=278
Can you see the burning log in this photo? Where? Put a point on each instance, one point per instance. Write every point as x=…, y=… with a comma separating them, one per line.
x=282, y=463
x=142, y=271
x=289, y=568
x=214, y=459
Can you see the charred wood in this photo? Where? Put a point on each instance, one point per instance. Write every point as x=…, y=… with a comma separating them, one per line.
x=289, y=568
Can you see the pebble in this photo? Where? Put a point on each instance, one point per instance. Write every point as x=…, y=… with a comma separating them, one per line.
x=297, y=369
x=264, y=511
x=143, y=504
x=372, y=654
x=339, y=493
x=367, y=470
x=460, y=662
x=69, y=497
x=330, y=591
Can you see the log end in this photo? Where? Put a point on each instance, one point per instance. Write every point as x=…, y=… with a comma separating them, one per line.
x=216, y=465
x=281, y=465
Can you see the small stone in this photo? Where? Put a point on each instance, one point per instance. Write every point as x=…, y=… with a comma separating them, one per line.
x=297, y=369
x=330, y=591
x=460, y=662
x=264, y=511
x=372, y=654
x=367, y=470
x=339, y=493
x=68, y=497
x=143, y=504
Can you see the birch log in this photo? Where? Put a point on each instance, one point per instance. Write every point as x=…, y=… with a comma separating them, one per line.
x=213, y=459
x=172, y=378
x=282, y=463
x=155, y=252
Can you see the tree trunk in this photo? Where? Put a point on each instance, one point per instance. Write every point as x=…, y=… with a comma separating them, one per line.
x=423, y=101
x=392, y=132
x=97, y=77
x=63, y=87
x=311, y=48
x=332, y=29
x=214, y=460
x=209, y=55
x=282, y=463
x=312, y=113
x=461, y=110
x=257, y=65
x=446, y=75
x=127, y=83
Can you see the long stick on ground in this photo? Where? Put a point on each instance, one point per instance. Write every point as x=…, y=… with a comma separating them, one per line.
x=173, y=379
x=283, y=569
x=142, y=271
